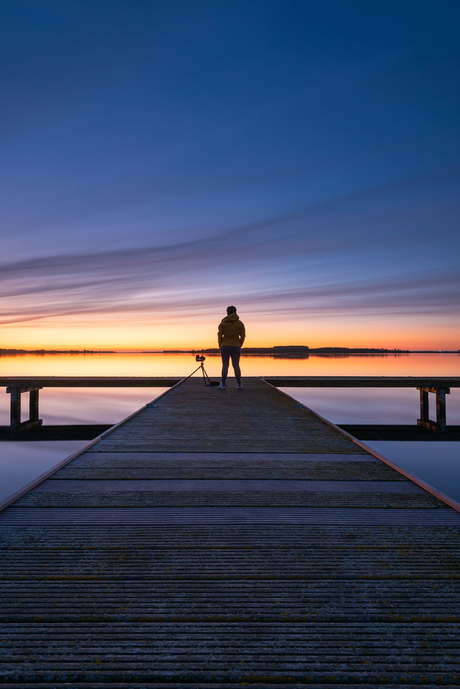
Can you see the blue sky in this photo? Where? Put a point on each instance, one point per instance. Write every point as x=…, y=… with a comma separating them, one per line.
x=159, y=160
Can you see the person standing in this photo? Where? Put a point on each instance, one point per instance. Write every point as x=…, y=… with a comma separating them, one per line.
x=230, y=337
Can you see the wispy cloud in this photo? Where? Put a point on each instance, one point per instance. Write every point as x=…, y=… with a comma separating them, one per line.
x=192, y=279
x=269, y=264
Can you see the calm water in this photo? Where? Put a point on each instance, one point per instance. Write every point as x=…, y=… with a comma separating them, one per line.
x=436, y=463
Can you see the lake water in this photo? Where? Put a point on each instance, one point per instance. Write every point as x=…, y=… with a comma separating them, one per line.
x=438, y=463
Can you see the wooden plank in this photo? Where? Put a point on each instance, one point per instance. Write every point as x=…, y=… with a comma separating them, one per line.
x=15, y=409
x=55, y=432
x=115, y=517
x=146, y=468
x=89, y=381
x=35, y=482
x=395, y=432
x=401, y=432
x=229, y=485
x=363, y=381
x=196, y=418
x=278, y=381
x=92, y=457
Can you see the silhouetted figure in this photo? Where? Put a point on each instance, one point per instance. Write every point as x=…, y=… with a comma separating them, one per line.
x=231, y=336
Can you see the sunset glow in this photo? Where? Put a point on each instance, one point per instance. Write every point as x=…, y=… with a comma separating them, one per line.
x=184, y=364
x=160, y=161
x=197, y=331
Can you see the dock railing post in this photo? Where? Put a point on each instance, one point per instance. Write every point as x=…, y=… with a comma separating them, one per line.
x=15, y=409
x=33, y=405
x=441, y=409
x=16, y=424
x=424, y=405
x=440, y=424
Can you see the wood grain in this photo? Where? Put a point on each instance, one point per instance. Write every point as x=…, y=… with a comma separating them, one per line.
x=225, y=539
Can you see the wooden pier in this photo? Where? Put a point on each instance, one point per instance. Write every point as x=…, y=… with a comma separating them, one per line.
x=226, y=539
x=440, y=387
x=18, y=385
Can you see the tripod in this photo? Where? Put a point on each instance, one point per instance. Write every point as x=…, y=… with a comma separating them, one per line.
x=206, y=378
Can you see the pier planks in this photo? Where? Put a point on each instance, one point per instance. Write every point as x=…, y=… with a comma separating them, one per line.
x=223, y=539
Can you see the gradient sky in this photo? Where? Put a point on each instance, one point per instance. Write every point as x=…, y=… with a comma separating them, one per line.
x=160, y=160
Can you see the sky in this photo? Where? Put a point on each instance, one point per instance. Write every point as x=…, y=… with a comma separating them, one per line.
x=160, y=161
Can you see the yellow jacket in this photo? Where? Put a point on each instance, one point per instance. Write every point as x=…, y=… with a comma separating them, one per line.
x=231, y=331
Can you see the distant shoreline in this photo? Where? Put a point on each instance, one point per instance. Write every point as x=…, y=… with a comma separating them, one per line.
x=304, y=352
x=56, y=351
x=290, y=351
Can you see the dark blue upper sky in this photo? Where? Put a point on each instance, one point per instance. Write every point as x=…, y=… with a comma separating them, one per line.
x=299, y=157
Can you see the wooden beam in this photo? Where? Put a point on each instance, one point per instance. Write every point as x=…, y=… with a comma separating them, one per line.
x=440, y=424
x=277, y=381
x=441, y=409
x=33, y=405
x=16, y=424
x=430, y=382
x=424, y=405
x=401, y=432
x=15, y=409
x=89, y=381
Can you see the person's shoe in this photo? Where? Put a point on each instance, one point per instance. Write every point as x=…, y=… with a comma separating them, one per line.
x=222, y=386
x=239, y=386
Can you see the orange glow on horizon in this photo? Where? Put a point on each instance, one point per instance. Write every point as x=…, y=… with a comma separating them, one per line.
x=201, y=334
x=133, y=331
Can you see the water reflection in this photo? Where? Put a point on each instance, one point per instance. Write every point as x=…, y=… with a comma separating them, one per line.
x=21, y=462
x=85, y=405
x=437, y=463
x=372, y=405
x=138, y=364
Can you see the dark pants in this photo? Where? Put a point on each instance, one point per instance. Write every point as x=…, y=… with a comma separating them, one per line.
x=227, y=351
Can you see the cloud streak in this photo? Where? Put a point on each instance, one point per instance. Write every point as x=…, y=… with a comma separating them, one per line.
x=184, y=281
x=270, y=265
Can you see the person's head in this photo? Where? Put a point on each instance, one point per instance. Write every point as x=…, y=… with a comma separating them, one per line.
x=231, y=309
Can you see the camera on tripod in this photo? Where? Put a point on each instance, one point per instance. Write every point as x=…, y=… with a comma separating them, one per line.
x=207, y=381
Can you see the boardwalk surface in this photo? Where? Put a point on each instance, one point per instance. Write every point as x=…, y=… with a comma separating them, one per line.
x=224, y=539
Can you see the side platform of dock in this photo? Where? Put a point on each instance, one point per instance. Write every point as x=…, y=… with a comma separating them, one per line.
x=223, y=539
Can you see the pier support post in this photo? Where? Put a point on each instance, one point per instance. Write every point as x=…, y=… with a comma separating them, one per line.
x=440, y=424
x=441, y=409
x=16, y=424
x=33, y=406
x=424, y=405
x=15, y=409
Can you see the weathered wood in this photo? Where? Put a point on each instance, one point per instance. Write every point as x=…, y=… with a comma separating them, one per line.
x=424, y=405
x=224, y=486
x=428, y=384
x=54, y=432
x=441, y=409
x=440, y=424
x=196, y=418
x=339, y=514
x=363, y=381
x=401, y=432
x=228, y=567
x=345, y=468
x=88, y=381
x=15, y=409
x=397, y=432
x=33, y=406
x=277, y=381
